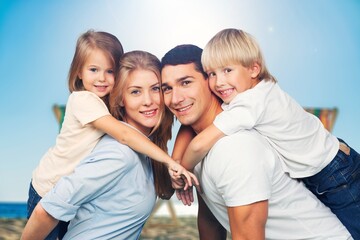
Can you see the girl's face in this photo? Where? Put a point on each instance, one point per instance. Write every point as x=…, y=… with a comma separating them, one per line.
x=141, y=100
x=97, y=73
x=228, y=81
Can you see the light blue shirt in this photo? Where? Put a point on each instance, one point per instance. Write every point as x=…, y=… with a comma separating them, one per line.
x=110, y=195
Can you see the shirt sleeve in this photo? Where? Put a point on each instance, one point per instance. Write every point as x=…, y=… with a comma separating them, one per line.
x=87, y=107
x=242, y=113
x=87, y=182
x=244, y=171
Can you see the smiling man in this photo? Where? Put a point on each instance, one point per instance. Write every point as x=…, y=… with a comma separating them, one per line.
x=242, y=181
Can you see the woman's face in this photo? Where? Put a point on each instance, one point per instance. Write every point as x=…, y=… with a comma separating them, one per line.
x=141, y=100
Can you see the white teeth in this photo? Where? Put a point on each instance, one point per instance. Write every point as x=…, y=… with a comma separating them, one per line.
x=226, y=91
x=183, y=109
x=149, y=112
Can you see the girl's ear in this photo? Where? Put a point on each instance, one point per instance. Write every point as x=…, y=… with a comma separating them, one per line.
x=255, y=70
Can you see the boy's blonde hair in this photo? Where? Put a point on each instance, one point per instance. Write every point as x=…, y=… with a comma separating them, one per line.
x=234, y=46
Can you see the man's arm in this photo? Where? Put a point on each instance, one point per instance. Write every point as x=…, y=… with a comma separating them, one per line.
x=208, y=226
x=248, y=222
x=39, y=225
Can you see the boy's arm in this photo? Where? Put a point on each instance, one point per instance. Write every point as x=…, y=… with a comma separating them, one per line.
x=200, y=146
x=140, y=143
x=39, y=225
x=183, y=138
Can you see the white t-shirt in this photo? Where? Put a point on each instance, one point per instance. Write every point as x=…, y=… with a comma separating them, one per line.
x=305, y=146
x=242, y=169
x=75, y=141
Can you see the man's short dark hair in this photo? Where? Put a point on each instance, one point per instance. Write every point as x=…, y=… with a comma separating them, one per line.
x=184, y=54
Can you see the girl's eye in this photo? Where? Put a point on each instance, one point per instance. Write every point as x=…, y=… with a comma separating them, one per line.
x=110, y=71
x=93, y=69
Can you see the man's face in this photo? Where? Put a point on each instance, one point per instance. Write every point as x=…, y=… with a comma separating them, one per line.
x=186, y=92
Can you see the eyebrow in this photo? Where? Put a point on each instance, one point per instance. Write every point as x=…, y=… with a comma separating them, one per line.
x=178, y=80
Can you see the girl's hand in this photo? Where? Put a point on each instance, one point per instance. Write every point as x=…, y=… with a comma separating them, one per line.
x=177, y=171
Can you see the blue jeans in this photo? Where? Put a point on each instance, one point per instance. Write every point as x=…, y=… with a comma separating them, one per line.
x=59, y=231
x=338, y=187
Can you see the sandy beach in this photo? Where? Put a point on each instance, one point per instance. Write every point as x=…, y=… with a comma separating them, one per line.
x=157, y=228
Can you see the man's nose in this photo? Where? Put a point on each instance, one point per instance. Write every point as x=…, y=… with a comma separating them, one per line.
x=177, y=96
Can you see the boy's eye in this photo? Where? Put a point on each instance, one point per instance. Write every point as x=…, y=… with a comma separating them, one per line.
x=227, y=70
x=211, y=74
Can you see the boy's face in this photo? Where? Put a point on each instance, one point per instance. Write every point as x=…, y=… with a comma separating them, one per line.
x=186, y=93
x=228, y=81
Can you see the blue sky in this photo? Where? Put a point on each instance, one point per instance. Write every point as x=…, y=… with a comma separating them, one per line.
x=311, y=46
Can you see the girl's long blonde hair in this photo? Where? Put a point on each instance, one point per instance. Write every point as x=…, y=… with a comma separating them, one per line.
x=161, y=133
x=87, y=42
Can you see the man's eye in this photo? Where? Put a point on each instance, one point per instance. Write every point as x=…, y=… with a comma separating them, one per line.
x=184, y=83
x=166, y=89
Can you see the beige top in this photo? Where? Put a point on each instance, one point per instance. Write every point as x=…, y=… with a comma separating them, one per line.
x=76, y=140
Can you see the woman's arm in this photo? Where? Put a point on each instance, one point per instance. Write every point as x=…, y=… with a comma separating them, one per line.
x=200, y=146
x=39, y=225
x=138, y=142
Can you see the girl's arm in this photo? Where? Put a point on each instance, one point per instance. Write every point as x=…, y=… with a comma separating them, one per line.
x=200, y=146
x=138, y=142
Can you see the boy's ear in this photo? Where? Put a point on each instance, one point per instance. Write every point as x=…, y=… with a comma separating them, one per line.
x=255, y=70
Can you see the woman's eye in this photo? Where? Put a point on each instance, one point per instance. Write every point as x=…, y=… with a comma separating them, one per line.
x=135, y=92
x=156, y=89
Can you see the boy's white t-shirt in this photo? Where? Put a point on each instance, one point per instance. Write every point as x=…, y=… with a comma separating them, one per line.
x=305, y=146
x=75, y=141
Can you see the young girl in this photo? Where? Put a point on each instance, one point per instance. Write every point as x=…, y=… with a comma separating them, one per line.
x=252, y=99
x=87, y=118
x=111, y=193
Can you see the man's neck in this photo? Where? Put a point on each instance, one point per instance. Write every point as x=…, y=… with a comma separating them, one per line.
x=213, y=109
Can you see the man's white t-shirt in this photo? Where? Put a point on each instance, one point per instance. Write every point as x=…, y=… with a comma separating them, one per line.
x=242, y=169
